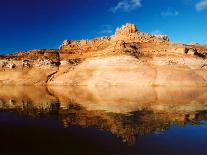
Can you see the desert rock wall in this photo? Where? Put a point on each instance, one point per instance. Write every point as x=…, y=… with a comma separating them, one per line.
x=128, y=57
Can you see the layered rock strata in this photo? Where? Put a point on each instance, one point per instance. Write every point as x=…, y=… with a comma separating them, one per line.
x=129, y=57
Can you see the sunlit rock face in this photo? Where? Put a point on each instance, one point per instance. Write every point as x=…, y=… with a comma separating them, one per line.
x=129, y=33
x=122, y=70
x=126, y=29
x=126, y=112
x=127, y=70
x=129, y=57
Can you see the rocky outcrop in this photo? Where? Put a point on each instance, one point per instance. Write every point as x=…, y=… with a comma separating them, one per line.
x=124, y=37
x=126, y=29
x=129, y=57
x=129, y=33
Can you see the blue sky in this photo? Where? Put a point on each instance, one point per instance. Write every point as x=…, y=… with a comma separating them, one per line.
x=36, y=24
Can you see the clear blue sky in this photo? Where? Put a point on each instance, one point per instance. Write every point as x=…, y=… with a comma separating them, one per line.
x=36, y=24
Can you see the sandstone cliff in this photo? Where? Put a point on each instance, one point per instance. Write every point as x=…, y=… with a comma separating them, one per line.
x=129, y=57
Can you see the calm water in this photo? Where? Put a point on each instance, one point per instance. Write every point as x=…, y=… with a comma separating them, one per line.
x=103, y=120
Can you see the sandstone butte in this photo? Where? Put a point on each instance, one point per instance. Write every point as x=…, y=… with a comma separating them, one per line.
x=128, y=57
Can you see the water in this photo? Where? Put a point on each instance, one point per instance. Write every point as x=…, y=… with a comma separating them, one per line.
x=103, y=120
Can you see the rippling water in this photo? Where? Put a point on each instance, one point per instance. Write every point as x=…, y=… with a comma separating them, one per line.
x=103, y=120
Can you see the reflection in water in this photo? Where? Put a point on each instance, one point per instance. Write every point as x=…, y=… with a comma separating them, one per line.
x=123, y=111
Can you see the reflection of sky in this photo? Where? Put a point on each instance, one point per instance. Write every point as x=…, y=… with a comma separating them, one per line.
x=190, y=139
x=37, y=132
x=32, y=24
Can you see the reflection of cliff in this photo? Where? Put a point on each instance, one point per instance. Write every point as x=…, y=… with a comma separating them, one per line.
x=11, y=96
x=131, y=114
x=128, y=127
x=125, y=99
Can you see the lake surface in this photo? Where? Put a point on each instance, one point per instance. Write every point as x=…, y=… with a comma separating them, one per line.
x=103, y=120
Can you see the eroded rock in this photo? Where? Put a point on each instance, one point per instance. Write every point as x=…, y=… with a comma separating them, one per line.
x=7, y=64
x=126, y=29
x=138, y=59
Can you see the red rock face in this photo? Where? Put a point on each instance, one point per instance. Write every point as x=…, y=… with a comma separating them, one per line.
x=127, y=34
x=149, y=51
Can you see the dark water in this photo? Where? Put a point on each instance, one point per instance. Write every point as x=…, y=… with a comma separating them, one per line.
x=144, y=121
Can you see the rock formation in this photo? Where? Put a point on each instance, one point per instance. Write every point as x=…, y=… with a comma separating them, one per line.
x=129, y=57
x=126, y=29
